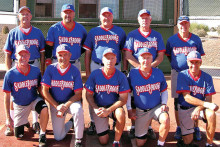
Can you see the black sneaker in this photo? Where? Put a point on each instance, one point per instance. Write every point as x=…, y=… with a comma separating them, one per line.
x=78, y=144
x=91, y=129
x=132, y=133
x=42, y=140
x=27, y=125
x=151, y=134
x=36, y=128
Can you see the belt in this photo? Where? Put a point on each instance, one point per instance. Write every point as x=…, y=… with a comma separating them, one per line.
x=74, y=61
x=146, y=110
x=101, y=64
x=185, y=107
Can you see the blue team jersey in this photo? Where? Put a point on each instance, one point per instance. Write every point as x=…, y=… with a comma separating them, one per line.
x=106, y=89
x=147, y=90
x=178, y=49
x=62, y=85
x=75, y=37
x=99, y=39
x=34, y=40
x=136, y=41
x=198, y=87
x=23, y=87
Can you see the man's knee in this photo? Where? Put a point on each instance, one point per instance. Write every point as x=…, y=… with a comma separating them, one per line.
x=103, y=138
x=165, y=119
x=120, y=113
x=187, y=139
x=40, y=106
x=210, y=115
x=140, y=142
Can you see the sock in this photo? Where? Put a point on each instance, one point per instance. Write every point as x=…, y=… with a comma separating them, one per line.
x=116, y=142
x=208, y=144
x=149, y=127
x=35, y=116
x=160, y=143
x=42, y=132
x=132, y=127
x=78, y=140
x=12, y=114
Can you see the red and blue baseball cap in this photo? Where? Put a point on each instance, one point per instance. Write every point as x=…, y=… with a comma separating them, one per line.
x=24, y=8
x=106, y=9
x=144, y=51
x=109, y=51
x=63, y=48
x=67, y=7
x=194, y=55
x=183, y=18
x=143, y=11
x=22, y=47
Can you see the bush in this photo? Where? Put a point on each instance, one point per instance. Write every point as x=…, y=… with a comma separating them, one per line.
x=200, y=32
x=195, y=26
x=5, y=30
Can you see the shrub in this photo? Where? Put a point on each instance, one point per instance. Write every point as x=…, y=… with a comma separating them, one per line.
x=5, y=29
x=200, y=32
x=195, y=26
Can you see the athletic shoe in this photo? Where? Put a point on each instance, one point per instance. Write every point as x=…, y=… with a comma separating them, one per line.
x=42, y=140
x=91, y=129
x=151, y=134
x=78, y=144
x=210, y=145
x=116, y=145
x=9, y=132
x=36, y=127
x=197, y=134
x=178, y=135
x=132, y=133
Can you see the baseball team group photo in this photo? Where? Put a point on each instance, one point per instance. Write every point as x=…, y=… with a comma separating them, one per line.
x=104, y=86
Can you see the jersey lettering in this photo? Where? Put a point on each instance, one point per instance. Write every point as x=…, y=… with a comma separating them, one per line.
x=107, y=88
x=197, y=90
x=106, y=38
x=27, y=42
x=25, y=84
x=70, y=40
x=147, y=88
x=62, y=84
x=146, y=44
x=183, y=50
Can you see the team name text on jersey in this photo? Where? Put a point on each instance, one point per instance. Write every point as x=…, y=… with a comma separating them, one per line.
x=62, y=84
x=70, y=40
x=106, y=38
x=147, y=88
x=25, y=84
x=107, y=88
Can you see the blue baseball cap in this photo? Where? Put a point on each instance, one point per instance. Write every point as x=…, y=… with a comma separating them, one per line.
x=24, y=8
x=109, y=50
x=22, y=47
x=143, y=11
x=106, y=9
x=67, y=7
x=63, y=48
x=183, y=18
x=144, y=51
x=194, y=55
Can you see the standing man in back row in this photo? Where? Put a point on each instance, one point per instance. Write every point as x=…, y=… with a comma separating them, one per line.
x=66, y=32
x=177, y=48
x=33, y=38
x=141, y=38
x=98, y=40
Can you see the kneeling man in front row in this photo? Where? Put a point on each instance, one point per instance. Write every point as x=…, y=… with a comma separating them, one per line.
x=150, y=98
x=195, y=89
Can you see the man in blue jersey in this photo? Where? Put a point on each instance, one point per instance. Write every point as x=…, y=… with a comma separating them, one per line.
x=67, y=32
x=144, y=37
x=22, y=82
x=98, y=40
x=33, y=38
x=62, y=88
x=195, y=89
x=150, y=98
x=106, y=92
x=177, y=48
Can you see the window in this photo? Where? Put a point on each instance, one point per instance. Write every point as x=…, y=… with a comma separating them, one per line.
x=7, y=5
x=58, y=5
x=92, y=8
x=43, y=8
x=131, y=9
